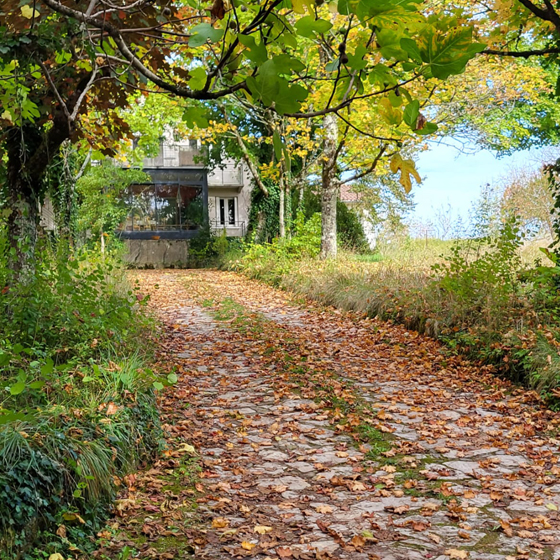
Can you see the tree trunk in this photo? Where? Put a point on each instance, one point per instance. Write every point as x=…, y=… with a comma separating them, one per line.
x=282, y=209
x=329, y=190
x=23, y=219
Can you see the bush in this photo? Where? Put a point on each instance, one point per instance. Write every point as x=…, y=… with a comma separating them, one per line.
x=78, y=410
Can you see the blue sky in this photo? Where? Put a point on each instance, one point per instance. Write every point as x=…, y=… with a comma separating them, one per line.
x=455, y=178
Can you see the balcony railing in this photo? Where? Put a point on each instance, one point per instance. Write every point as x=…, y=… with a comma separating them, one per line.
x=238, y=226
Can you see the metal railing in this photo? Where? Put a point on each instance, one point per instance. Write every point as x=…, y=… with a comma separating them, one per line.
x=218, y=227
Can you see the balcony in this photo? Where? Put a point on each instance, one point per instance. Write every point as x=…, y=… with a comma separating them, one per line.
x=230, y=175
x=235, y=229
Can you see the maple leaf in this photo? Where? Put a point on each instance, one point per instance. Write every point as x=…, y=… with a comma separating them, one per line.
x=248, y=545
x=407, y=168
x=284, y=552
x=324, y=508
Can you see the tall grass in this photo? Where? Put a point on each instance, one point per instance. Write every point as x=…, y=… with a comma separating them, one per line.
x=485, y=298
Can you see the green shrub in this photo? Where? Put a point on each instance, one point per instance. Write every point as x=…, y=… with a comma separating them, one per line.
x=77, y=404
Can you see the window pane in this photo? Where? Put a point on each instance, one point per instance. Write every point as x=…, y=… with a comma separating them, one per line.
x=142, y=208
x=231, y=211
x=222, y=212
x=191, y=207
x=168, y=209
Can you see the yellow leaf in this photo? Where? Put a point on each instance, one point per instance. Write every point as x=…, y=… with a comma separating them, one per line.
x=324, y=509
x=248, y=545
x=262, y=529
x=56, y=556
x=407, y=168
x=392, y=115
x=186, y=448
x=29, y=13
x=220, y=523
x=73, y=517
x=552, y=507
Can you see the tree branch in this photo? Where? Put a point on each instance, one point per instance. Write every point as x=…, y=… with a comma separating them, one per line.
x=523, y=54
x=549, y=14
x=370, y=169
x=135, y=62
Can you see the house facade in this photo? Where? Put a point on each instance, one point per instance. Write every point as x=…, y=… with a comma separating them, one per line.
x=181, y=198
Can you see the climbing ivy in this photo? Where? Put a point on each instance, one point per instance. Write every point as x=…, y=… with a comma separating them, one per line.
x=264, y=222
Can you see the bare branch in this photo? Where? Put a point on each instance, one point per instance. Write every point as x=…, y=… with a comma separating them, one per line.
x=47, y=75
x=523, y=54
x=370, y=169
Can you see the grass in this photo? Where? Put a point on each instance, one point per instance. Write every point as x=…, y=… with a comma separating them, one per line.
x=485, y=299
x=77, y=410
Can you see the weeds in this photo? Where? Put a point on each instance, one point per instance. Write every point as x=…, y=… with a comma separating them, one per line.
x=77, y=410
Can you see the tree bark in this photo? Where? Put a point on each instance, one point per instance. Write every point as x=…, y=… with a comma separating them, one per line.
x=282, y=210
x=22, y=200
x=329, y=188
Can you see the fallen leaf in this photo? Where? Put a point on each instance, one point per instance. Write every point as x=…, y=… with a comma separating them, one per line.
x=262, y=529
x=220, y=522
x=455, y=553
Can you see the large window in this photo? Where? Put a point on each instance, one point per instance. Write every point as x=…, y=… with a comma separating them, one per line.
x=164, y=207
x=227, y=211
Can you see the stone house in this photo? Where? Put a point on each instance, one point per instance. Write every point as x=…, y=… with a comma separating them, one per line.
x=181, y=198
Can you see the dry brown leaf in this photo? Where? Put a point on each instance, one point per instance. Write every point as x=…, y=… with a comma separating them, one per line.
x=457, y=554
x=262, y=529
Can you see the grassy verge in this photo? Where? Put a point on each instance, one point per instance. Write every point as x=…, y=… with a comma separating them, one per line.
x=78, y=407
x=481, y=299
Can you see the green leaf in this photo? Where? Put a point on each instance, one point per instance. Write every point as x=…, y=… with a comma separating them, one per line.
x=37, y=385
x=263, y=88
x=197, y=78
x=411, y=113
x=17, y=388
x=204, y=32
x=195, y=117
x=289, y=98
x=172, y=378
x=158, y=385
x=428, y=128
x=256, y=51
x=447, y=54
x=410, y=46
x=48, y=368
x=277, y=143
x=307, y=26
x=356, y=60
